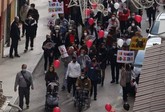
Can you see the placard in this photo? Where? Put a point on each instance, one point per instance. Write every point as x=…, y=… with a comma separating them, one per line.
x=125, y=56
x=55, y=7
x=63, y=51
x=138, y=43
x=49, y=45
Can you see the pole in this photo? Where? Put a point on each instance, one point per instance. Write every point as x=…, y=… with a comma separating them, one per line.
x=81, y=10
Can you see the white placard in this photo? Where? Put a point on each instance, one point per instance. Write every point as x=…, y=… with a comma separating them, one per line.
x=63, y=51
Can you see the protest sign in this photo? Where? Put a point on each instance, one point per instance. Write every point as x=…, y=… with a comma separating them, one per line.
x=138, y=43
x=125, y=56
x=49, y=45
x=55, y=7
x=63, y=51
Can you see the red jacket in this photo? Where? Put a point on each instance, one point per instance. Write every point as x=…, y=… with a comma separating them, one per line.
x=66, y=9
x=124, y=17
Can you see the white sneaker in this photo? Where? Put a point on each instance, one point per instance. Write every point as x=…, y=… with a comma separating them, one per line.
x=45, y=71
x=147, y=19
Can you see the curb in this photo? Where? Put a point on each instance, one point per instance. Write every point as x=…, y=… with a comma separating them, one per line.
x=16, y=101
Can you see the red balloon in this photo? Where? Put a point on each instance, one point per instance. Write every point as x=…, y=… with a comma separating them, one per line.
x=87, y=12
x=56, y=109
x=108, y=107
x=91, y=21
x=138, y=18
x=94, y=5
x=56, y=63
x=89, y=43
x=101, y=33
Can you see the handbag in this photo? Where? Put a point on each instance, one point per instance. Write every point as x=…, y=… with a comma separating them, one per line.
x=27, y=81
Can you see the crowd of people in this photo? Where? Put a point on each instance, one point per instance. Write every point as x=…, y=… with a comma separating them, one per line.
x=85, y=66
x=93, y=60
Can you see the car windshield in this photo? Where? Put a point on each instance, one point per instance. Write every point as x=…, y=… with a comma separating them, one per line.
x=155, y=28
x=152, y=41
x=139, y=58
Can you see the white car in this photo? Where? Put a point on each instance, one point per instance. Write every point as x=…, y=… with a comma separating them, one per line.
x=141, y=54
x=158, y=28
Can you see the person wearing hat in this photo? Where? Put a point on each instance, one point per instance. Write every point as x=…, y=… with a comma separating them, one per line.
x=48, y=47
x=73, y=72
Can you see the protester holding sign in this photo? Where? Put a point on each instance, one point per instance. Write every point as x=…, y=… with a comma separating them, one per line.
x=48, y=47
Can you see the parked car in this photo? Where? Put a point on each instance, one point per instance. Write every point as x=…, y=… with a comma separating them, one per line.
x=157, y=29
x=138, y=63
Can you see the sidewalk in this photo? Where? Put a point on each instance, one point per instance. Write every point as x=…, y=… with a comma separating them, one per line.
x=10, y=67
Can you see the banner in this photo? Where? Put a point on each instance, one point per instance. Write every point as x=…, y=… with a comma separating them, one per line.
x=125, y=56
x=138, y=43
x=63, y=51
x=55, y=7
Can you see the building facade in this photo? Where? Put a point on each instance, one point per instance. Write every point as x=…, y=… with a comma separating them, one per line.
x=8, y=10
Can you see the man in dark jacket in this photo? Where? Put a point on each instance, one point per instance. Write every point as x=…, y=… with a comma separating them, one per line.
x=93, y=74
x=114, y=64
x=30, y=26
x=15, y=37
x=102, y=57
x=34, y=13
x=48, y=47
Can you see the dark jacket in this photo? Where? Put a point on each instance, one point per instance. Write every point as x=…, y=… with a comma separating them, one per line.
x=93, y=72
x=102, y=57
x=51, y=77
x=113, y=55
x=34, y=13
x=48, y=50
x=15, y=31
x=84, y=83
x=30, y=26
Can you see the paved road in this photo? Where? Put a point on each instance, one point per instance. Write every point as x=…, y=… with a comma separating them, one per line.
x=110, y=93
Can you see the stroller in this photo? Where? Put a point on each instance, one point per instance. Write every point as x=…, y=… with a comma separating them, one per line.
x=52, y=97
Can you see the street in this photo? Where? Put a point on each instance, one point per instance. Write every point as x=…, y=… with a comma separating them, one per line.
x=109, y=93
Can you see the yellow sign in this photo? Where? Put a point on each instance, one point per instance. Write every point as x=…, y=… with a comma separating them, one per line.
x=138, y=43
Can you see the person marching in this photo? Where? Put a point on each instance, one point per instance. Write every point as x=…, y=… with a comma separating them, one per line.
x=24, y=80
x=73, y=72
x=30, y=26
x=48, y=47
